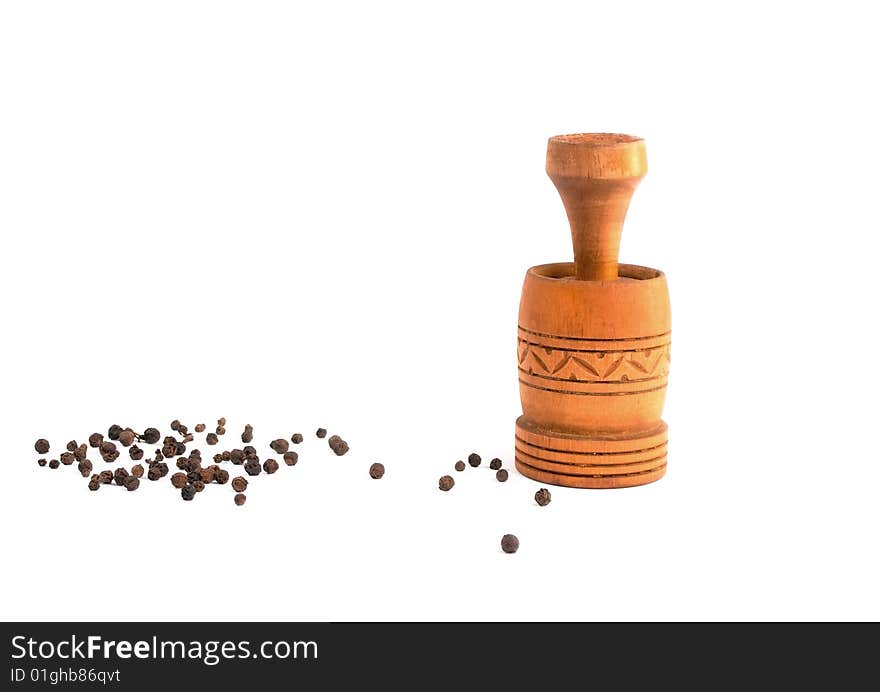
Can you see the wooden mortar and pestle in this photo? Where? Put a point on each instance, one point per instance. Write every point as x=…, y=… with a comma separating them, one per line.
x=594, y=335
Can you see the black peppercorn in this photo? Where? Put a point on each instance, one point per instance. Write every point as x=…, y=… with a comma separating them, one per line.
x=95, y=439
x=211, y=439
x=240, y=499
x=220, y=430
x=221, y=477
x=106, y=477
x=155, y=472
x=501, y=475
x=459, y=465
x=377, y=471
x=169, y=450
x=270, y=466
x=137, y=471
x=542, y=497
x=178, y=480
x=248, y=434
x=474, y=459
x=495, y=464
x=71, y=446
x=179, y=448
x=338, y=445
x=279, y=446
x=198, y=485
x=239, y=484
x=54, y=464
x=236, y=456
x=113, y=432
x=200, y=427
x=119, y=475
x=296, y=438
x=131, y=483
x=509, y=543
x=446, y=483
x=94, y=483
x=136, y=453
x=85, y=468
x=250, y=452
x=221, y=422
x=290, y=458
x=41, y=462
x=126, y=437
x=175, y=425
x=67, y=458
x=321, y=433
x=252, y=467
x=151, y=436
x=42, y=446
x=188, y=492
x=80, y=452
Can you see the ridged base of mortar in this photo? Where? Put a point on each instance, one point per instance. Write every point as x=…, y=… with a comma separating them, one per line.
x=590, y=462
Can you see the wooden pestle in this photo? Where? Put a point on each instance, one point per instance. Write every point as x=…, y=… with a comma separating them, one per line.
x=596, y=175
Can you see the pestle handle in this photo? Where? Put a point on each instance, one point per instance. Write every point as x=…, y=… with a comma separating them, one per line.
x=596, y=175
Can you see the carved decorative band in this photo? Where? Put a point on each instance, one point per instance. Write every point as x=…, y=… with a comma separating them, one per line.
x=558, y=364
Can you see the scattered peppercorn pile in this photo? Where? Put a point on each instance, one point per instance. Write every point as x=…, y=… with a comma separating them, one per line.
x=194, y=475
x=509, y=542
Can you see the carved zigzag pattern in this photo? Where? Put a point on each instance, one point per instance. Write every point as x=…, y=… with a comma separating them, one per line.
x=594, y=366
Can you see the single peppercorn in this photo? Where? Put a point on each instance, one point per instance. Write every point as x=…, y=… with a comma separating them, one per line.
x=501, y=475
x=321, y=433
x=175, y=425
x=200, y=427
x=155, y=473
x=221, y=477
x=240, y=499
x=459, y=465
x=509, y=543
x=248, y=434
x=67, y=458
x=42, y=446
x=188, y=438
x=239, y=484
x=106, y=477
x=188, y=492
x=193, y=476
x=179, y=448
x=290, y=458
x=137, y=471
x=126, y=437
x=41, y=462
x=207, y=474
x=250, y=452
x=113, y=432
x=542, y=497
x=80, y=452
x=220, y=430
x=252, y=467
x=211, y=439
x=221, y=422
x=119, y=475
x=54, y=464
x=95, y=439
x=107, y=447
x=296, y=438
x=94, y=483
x=131, y=483
x=151, y=436
x=236, y=456
x=85, y=468
x=474, y=459
x=169, y=450
x=338, y=445
x=495, y=464
x=279, y=446
x=270, y=466
x=198, y=485
x=71, y=446
x=136, y=453
x=225, y=455
x=178, y=480
x=377, y=471
x=182, y=429
x=446, y=483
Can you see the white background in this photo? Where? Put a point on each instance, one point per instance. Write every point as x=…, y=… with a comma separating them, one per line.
x=298, y=217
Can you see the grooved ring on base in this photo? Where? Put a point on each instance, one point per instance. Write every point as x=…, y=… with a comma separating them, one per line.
x=578, y=481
